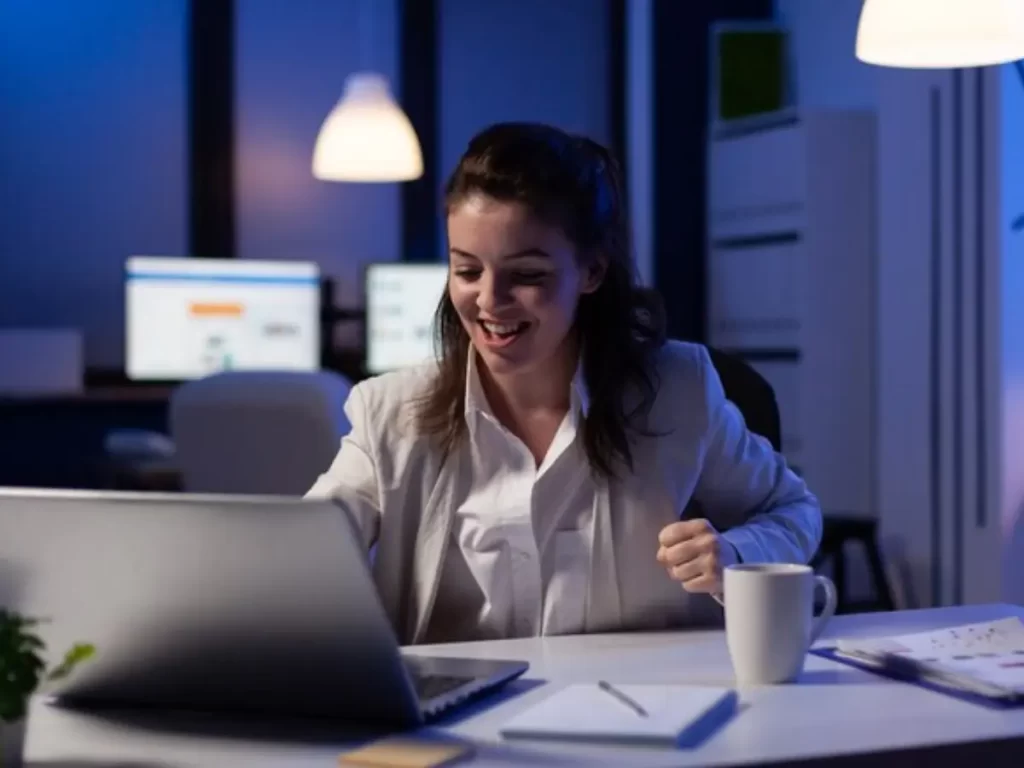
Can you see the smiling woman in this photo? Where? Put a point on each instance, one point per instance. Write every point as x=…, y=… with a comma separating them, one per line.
x=542, y=282
x=543, y=476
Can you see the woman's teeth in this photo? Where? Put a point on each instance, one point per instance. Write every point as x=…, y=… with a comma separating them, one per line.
x=503, y=329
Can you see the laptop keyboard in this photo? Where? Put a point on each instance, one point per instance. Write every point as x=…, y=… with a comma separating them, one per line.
x=431, y=686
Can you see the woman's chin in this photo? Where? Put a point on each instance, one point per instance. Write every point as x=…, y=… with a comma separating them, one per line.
x=504, y=360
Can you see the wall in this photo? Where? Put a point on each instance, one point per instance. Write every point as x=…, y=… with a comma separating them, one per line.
x=521, y=60
x=1011, y=92
x=905, y=429
x=822, y=37
x=290, y=69
x=92, y=147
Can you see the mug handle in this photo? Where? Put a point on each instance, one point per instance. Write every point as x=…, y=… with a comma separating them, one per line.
x=831, y=600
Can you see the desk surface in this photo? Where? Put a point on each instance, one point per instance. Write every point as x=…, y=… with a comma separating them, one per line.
x=833, y=711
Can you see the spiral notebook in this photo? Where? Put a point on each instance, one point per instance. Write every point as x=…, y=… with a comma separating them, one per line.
x=983, y=663
x=680, y=715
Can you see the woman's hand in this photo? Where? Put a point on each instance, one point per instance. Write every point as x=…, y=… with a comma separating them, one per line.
x=694, y=554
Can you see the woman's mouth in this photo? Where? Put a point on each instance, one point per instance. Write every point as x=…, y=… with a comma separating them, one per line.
x=499, y=335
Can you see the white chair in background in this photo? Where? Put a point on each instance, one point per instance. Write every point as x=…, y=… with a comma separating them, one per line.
x=257, y=432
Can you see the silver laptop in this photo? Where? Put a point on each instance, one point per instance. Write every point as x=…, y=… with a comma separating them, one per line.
x=218, y=603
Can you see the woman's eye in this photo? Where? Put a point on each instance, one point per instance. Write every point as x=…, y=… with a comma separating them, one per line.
x=530, y=278
x=467, y=274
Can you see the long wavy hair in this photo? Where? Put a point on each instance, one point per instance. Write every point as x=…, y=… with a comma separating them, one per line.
x=573, y=183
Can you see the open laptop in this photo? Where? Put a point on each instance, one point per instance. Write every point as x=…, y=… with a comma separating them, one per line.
x=246, y=605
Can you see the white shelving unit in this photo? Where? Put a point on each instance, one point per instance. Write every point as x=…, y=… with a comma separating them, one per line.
x=791, y=286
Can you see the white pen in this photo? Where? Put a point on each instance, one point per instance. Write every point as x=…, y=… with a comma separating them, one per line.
x=631, y=703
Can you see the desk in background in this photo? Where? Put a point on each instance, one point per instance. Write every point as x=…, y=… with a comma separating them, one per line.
x=836, y=715
x=57, y=441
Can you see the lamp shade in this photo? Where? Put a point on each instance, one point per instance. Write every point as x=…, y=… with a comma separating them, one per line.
x=940, y=34
x=367, y=136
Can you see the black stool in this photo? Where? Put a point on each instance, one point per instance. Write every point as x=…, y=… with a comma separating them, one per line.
x=840, y=530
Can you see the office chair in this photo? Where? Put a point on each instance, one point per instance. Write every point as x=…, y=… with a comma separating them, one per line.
x=754, y=397
x=751, y=394
x=257, y=432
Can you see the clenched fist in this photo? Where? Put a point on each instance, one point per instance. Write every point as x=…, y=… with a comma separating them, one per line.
x=694, y=554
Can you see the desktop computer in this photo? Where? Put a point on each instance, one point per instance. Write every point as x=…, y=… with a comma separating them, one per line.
x=401, y=299
x=188, y=317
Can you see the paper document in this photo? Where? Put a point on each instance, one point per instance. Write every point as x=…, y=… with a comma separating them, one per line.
x=991, y=653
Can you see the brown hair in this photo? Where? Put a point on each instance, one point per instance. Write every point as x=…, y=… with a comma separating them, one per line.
x=573, y=183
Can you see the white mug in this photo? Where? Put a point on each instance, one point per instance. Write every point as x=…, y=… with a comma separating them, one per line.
x=769, y=619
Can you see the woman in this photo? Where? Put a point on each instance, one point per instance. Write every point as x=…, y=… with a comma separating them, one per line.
x=545, y=476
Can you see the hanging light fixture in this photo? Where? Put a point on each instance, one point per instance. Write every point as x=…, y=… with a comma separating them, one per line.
x=367, y=136
x=940, y=34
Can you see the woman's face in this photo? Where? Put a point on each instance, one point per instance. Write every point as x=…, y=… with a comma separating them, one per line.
x=515, y=282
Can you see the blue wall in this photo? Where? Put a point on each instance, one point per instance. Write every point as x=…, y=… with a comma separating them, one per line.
x=1012, y=149
x=522, y=60
x=1012, y=326
x=93, y=158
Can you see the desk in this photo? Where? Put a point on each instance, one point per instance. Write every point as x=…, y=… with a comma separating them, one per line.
x=835, y=711
x=57, y=442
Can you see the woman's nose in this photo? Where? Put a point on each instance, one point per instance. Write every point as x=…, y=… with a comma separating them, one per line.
x=493, y=294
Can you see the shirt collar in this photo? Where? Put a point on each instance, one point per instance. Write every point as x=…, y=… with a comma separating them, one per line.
x=476, y=400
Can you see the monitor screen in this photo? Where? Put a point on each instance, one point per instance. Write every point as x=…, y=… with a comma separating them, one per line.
x=401, y=299
x=188, y=317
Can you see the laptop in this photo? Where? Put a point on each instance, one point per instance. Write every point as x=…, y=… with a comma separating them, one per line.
x=242, y=605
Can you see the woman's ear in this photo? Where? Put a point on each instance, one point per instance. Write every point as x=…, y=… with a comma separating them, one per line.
x=593, y=274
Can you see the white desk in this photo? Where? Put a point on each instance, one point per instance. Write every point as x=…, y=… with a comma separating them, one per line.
x=835, y=711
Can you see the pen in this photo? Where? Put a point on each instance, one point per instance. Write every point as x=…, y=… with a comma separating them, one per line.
x=631, y=703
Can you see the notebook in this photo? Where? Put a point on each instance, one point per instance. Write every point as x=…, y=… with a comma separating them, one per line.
x=680, y=715
x=979, y=662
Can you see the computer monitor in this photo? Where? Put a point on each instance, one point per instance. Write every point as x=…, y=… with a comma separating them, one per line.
x=401, y=299
x=187, y=317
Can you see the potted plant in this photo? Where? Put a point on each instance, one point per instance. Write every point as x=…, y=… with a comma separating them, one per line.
x=23, y=672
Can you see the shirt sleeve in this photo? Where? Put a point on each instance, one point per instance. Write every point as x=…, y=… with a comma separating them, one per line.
x=351, y=479
x=743, y=480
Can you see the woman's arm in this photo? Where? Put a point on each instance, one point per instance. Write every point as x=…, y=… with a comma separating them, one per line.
x=351, y=479
x=746, y=486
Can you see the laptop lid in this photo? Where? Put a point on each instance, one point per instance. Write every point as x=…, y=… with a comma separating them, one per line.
x=241, y=604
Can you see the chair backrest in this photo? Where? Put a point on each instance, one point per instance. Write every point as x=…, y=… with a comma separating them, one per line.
x=257, y=432
x=752, y=395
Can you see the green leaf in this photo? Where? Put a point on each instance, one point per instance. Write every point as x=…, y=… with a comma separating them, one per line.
x=76, y=655
x=31, y=642
x=22, y=668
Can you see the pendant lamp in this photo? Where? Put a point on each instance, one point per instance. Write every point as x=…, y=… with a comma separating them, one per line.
x=940, y=34
x=367, y=136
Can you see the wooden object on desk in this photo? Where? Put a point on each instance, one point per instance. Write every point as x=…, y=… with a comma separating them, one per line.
x=405, y=752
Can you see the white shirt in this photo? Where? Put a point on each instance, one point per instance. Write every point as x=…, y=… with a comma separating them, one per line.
x=522, y=538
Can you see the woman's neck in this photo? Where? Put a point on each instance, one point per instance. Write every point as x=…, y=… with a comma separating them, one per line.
x=542, y=388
